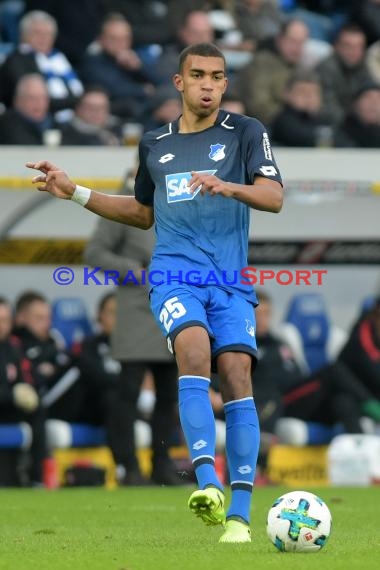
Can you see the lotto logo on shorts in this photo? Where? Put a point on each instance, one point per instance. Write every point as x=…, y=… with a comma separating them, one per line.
x=177, y=186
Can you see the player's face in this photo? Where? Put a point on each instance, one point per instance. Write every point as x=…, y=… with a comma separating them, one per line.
x=202, y=84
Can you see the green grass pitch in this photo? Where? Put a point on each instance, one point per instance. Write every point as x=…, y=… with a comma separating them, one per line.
x=152, y=529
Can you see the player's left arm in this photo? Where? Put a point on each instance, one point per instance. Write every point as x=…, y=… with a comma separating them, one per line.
x=264, y=194
x=262, y=189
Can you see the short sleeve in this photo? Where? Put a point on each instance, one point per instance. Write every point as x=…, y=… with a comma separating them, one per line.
x=144, y=186
x=258, y=153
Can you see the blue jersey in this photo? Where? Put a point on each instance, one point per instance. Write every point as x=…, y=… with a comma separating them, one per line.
x=202, y=239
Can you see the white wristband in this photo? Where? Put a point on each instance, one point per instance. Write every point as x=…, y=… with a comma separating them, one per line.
x=81, y=195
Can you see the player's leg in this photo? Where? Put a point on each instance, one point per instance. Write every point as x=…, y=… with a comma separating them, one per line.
x=233, y=322
x=242, y=441
x=192, y=348
x=182, y=317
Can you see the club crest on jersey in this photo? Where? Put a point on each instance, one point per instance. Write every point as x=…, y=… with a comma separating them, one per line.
x=177, y=189
x=250, y=329
x=217, y=152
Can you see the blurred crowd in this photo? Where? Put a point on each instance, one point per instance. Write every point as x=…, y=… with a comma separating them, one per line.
x=98, y=72
x=342, y=392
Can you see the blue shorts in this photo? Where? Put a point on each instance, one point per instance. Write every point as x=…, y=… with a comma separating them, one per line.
x=229, y=319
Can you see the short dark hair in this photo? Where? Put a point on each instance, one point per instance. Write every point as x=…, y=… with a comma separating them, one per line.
x=349, y=28
x=27, y=298
x=104, y=300
x=112, y=17
x=302, y=76
x=4, y=301
x=91, y=89
x=203, y=50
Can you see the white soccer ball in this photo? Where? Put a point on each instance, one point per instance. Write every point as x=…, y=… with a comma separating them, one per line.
x=299, y=522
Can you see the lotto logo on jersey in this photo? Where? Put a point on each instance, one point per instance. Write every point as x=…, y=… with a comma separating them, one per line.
x=177, y=186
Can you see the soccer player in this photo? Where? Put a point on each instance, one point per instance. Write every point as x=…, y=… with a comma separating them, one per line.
x=197, y=180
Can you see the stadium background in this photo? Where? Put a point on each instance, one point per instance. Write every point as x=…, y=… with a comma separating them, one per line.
x=330, y=221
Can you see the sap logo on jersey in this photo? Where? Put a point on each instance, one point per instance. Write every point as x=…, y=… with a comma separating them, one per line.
x=177, y=188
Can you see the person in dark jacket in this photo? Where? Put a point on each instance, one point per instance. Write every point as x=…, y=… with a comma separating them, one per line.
x=48, y=359
x=301, y=122
x=19, y=401
x=333, y=394
x=361, y=125
x=92, y=123
x=27, y=121
x=361, y=354
x=99, y=372
x=117, y=68
x=344, y=71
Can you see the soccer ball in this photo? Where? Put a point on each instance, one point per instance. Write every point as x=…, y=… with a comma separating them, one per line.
x=299, y=522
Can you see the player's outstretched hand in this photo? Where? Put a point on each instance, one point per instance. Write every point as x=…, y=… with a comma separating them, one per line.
x=52, y=180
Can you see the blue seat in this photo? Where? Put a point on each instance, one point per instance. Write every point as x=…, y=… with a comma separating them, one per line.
x=309, y=332
x=307, y=313
x=315, y=342
x=63, y=435
x=71, y=320
x=367, y=304
x=15, y=436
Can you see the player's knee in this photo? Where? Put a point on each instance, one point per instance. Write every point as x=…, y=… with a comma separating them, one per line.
x=235, y=376
x=194, y=360
x=236, y=385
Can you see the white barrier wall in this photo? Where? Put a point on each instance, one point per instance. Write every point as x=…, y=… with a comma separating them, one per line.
x=329, y=214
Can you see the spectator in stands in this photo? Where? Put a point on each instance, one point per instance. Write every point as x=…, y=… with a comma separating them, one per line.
x=78, y=23
x=361, y=125
x=28, y=119
x=99, y=373
x=195, y=28
x=343, y=72
x=373, y=60
x=262, y=82
x=19, y=401
x=117, y=68
x=232, y=102
x=366, y=13
x=92, y=123
x=362, y=352
x=138, y=345
x=36, y=54
x=259, y=20
x=33, y=329
x=178, y=11
x=149, y=20
x=330, y=395
x=299, y=122
x=164, y=107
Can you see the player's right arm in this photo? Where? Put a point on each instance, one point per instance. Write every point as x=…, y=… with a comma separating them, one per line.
x=124, y=209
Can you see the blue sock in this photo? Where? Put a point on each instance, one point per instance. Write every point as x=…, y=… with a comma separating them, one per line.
x=198, y=424
x=242, y=447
